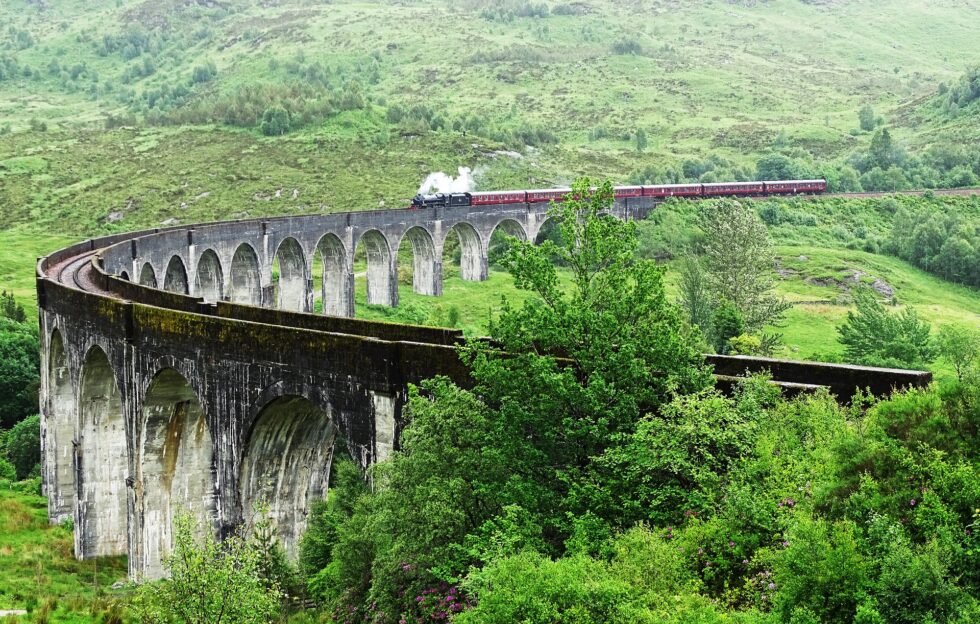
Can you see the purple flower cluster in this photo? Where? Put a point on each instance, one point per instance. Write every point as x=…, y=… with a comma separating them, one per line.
x=787, y=502
x=762, y=584
x=438, y=604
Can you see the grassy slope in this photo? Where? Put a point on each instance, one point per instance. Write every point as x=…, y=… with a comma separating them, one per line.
x=709, y=74
x=710, y=78
x=36, y=560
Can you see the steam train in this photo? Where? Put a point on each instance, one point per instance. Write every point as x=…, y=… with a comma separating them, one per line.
x=662, y=191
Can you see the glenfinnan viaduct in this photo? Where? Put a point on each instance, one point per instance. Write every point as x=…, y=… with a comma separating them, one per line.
x=183, y=368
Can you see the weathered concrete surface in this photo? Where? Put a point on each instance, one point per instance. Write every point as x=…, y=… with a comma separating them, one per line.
x=153, y=400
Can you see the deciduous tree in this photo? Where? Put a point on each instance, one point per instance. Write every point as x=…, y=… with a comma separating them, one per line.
x=209, y=582
x=873, y=335
x=739, y=261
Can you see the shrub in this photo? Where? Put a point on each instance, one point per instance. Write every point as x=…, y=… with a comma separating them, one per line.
x=822, y=570
x=872, y=335
x=24, y=446
x=275, y=121
x=209, y=582
x=204, y=73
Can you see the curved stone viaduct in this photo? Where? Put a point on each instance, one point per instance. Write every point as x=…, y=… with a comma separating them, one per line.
x=182, y=368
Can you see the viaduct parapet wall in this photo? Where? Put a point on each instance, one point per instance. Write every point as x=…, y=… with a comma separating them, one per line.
x=182, y=368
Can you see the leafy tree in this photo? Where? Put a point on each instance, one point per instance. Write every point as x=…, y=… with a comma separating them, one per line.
x=738, y=259
x=569, y=374
x=640, y=140
x=19, y=364
x=275, y=121
x=209, y=582
x=726, y=323
x=960, y=346
x=9, y=308
x=204, y=72
x=674, y=463
x=347, y=486
x=24, y=446
x=745, y=344
x=866, y=118
x=696, y=297
x=7, y=470
x=881, y=152
x=872, y=335
x=823, y=571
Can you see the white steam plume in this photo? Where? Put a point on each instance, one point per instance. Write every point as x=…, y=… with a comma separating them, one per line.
x=439, y=182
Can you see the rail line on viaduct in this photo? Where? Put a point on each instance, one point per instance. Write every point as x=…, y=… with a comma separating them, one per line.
x=178, y=372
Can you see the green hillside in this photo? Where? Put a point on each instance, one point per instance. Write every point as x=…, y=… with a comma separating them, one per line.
x=123, y=114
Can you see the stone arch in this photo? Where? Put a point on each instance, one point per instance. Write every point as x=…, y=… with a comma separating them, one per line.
x=59, y=432
x=210, y=280
x=102, y=460
x=246, y=285
x=382, y=287
x=286, y=464
x=547, y=230
x=175, y=279
x=426, y=265
x=472, y=256
x=124, y=275
x=148, y=276
x=501, y=233
x=336, y=277
x=291, y=282
x=176, y=471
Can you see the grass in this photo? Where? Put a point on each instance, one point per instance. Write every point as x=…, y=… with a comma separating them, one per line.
x=36, y=560
x=19, y=248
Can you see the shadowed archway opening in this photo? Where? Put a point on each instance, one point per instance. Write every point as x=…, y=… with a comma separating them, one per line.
x=59, y=434
x=246, y=286
x=210, y=281
x=374, y=267
x=418, y=264
x=549, y=230
x=287, y=465
x=175, y=280
x=101, y=525
x=124, y=275
x=148, y=276
x=462, y=254
x=333, y=284
x=289, y=277
x=176, y=466
x=500, y=240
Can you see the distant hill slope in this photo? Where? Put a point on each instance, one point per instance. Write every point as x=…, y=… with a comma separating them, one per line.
x=731, y=78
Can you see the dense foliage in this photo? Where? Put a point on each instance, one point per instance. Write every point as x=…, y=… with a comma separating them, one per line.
x=210, y=582
x=944, y=242
x=512, y=463
x=19, y=363
x=876, y=337
x=589, y=488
